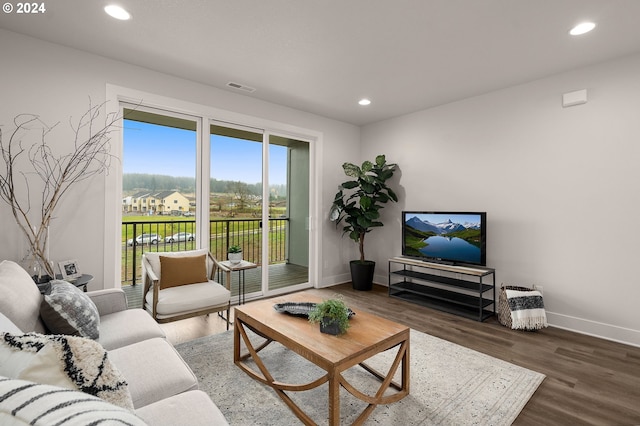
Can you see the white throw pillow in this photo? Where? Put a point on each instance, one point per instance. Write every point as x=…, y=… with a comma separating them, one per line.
x=45, y=367
x=66, y=361
x=28, y=403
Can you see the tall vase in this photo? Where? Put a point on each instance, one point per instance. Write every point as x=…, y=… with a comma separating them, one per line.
x=37, y=254
x=33, y=265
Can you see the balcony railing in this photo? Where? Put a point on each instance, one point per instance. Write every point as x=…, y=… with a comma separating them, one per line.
x=246, y=233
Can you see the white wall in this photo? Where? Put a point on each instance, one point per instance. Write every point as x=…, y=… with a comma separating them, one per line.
x=56, y=82
x=559, y=185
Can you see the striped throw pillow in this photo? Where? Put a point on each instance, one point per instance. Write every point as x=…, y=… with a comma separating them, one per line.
x=27, y=403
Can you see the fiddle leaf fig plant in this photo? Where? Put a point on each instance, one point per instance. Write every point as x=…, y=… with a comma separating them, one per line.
x=359, y=200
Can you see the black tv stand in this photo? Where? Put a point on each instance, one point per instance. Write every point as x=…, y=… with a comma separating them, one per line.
x=456, y=289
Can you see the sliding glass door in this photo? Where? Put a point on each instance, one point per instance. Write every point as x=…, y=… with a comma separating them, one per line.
x=189, y=181
x=159, y=194
x=235, y=200
x=265, y=213
x=288, y=212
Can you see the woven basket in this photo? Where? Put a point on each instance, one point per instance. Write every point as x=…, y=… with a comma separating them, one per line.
x=504, y=313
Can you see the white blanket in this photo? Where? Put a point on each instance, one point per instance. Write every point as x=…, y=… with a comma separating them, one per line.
x=527, y=310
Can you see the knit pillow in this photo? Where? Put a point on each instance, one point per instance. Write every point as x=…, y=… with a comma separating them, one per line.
x=67, y=310
x=28, y=403
x=66, y=361
x=177, y=271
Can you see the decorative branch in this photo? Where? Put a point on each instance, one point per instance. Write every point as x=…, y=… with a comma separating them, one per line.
x=58, y=173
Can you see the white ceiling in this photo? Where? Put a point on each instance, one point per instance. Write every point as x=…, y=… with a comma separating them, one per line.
x=322, y=56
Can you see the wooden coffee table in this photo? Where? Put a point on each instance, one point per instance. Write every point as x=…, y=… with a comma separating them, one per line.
x=367, y=336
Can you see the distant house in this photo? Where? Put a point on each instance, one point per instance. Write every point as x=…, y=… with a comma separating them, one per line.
x=159, y=202
x=127, y=204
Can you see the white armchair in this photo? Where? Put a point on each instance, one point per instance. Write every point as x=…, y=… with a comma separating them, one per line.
x=179, y=285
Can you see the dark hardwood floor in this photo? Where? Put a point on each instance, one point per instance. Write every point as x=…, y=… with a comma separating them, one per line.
x=589, y=381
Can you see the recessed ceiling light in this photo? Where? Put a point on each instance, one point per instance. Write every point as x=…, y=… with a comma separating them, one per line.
x=117, y=12
x=364, y=102
x=582, y=28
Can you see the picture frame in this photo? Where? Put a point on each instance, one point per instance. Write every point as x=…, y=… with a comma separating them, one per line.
x=69, y=269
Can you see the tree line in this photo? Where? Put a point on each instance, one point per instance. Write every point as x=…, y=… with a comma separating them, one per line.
x=133, y=182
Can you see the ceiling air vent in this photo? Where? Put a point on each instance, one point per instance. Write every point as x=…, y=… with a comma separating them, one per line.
x=242, y=87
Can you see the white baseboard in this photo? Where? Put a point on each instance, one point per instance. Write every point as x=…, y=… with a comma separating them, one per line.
x=382, y=280
x=600, y=330
x=335, y=279
x=614, y=333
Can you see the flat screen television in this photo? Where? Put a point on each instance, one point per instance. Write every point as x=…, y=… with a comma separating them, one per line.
x=446, y=237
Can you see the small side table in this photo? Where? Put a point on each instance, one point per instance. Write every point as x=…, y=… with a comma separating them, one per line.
x=241, y=268
x=80, y=282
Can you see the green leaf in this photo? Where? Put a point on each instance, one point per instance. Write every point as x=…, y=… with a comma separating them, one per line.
x=372, y=214
x=351, y=170
x=368, y=188
x=380, y=160
x=382, y=197
x=392, y=195
x=385, y=174
x=365, y=202
x=350, y=184
x=369, y=179
x=334, y=214
x=364, y=222
x=367, y=166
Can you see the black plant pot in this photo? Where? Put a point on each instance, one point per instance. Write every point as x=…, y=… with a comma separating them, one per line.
x=43, y=282
x=42, y=279
x=362, y=274
x=330, y=326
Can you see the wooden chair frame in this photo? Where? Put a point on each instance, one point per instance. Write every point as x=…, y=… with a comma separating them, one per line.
x=152, y=282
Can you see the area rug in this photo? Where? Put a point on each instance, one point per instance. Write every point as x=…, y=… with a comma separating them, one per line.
x=450, y=385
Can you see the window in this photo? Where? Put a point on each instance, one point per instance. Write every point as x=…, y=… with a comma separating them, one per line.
x=196, y=119
x=159, y=155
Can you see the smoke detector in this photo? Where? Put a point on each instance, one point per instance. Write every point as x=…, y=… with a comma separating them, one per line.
x=238, y=86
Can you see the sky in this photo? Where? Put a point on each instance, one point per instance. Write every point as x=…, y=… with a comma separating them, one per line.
x=440, y=218
x=154, y=149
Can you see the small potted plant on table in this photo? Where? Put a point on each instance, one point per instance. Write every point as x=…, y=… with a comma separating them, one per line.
x=333, y=316
x=234, y=253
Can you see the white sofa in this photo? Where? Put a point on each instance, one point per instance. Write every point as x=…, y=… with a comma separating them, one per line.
x=163, y=389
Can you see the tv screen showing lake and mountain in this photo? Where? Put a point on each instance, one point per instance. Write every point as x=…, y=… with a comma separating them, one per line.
x=447, y=237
